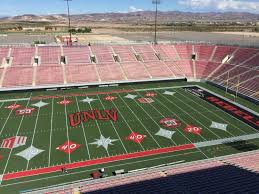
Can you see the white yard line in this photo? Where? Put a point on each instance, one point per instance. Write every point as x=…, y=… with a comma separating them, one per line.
x=83, y=129
x=155, y=122
x=114, y=128
x=90, y=170
x=186, y=113
x=207, y=110
x=186, y=104
x=69, y=157
x=51, y=128
x=179, y=130
x=141, y=122
x=97, y=124
x=126, y=123
x=34, y=130
x=6, y=121
x=12, y=148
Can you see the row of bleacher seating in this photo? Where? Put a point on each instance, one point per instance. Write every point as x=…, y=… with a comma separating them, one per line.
x=135, y=62
x=234, y=174
x=104, y=54
x=86, y=73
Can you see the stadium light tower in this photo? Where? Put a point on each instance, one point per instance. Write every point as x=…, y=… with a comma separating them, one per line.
x=156, y=2
x=69, y=23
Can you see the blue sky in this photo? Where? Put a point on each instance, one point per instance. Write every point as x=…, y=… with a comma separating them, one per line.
x=44, y=7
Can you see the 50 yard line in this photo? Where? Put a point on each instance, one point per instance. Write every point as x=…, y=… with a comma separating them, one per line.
x=12, y=148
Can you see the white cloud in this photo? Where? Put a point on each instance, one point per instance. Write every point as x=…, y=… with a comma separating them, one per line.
x=222, y=5
x=134, y=9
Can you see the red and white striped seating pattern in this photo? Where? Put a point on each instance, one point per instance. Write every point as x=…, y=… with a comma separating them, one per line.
x=49, y=55
x=205, y=68
x=158, y=69
x=184, y=51
x=104, y=57
x=101, y=49
x=143, y=48
x=167, y=52
x=135, y=71
x=18, y=76
x=22, y=56
x=253, y=62
x=127, y=57
x=243, y=64
x=110, y=72
x=77, y=55
x=148, y=56
x=81, y=73
x=204, y=52
x=221, y=52
x=187, y=67
x=47, y=75
x=243, y=54
x=3, y=54
x=177, y=71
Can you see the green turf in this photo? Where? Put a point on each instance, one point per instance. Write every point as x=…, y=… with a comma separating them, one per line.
x=48, y=127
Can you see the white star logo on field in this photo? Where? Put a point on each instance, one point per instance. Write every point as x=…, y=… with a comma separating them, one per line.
x=105, y=142
x=169, y=93
x=165, y=133
x=221, y=126
x=130, y=96
x=30, y=153
x=88, y=100
x=40, y=104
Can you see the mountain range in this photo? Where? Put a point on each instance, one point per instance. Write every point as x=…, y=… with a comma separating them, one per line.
x=139, y=17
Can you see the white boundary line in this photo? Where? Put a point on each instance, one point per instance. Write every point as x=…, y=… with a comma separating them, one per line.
x=175, y=114
x=69, y=157
x=34, y=130
x=114, y=128
x=83, y=129
x=213, y=112
x=51, y=129
x=126, y=122
x=97, y=124
x=90, y=170
x=6, y=165
x=140, y=122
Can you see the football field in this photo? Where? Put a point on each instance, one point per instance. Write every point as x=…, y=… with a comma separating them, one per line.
x=125, y=127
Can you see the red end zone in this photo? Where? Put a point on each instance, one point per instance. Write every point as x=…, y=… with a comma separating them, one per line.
x=39, y=171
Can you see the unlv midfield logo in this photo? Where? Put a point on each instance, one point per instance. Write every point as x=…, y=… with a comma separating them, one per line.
x=170, y=123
